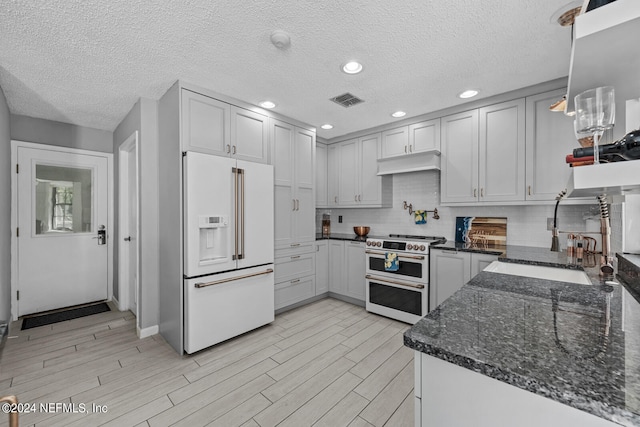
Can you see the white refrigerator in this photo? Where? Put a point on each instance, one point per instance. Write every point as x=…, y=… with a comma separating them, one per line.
x=228, y=248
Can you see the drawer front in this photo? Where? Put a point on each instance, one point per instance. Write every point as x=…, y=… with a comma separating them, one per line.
x=294, y=266
x=293, y=291
x=296, y=249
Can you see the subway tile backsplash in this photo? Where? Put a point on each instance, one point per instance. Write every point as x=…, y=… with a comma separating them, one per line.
x=526, y=225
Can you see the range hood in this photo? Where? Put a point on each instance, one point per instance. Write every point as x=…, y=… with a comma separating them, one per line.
x=424, y=161
x=618, y=178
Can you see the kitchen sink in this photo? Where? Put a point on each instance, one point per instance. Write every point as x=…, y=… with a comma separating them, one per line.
x=539, y=272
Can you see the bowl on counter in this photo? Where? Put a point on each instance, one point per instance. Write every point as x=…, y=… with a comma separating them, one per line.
x=361, y=230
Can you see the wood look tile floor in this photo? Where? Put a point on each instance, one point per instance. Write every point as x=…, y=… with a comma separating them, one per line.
x=329, y=363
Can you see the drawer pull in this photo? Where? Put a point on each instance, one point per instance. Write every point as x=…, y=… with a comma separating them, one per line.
x=294, y=245
x=295, y=257
x=295, y=281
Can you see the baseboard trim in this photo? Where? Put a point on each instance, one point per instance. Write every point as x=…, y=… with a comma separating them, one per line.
x=147, y=332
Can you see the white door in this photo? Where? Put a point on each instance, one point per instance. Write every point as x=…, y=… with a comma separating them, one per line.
x=62, y=242
x=132, y=235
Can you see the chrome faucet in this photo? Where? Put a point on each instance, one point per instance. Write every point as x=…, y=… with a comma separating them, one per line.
x=555, y=244
x=606, y=261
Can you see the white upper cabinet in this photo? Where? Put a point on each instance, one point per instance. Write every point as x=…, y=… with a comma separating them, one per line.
x=322, y=200
x=483, y=154
x=215, y=127
x=348, y=187
x=304, y=157
x=293, y=159
x=249, y=135
x=424, y=136
x=416, y=138
x=333, y=166
x=501, y=151
x=370, y=192
x=206, y=124
x=550, y=137
x=395, y=142
x=459, y=176
x=358, y=182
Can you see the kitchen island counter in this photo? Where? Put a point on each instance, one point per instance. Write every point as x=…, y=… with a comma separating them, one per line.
x=574, y=344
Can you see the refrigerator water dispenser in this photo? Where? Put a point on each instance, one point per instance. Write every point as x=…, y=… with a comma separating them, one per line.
x=214, y=235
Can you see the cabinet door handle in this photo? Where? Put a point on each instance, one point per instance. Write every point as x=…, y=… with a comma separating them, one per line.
x=335, y=199
x=234, y=149
x=228, y=149
x=297, y=204
x=405, y=148
x=529, y=190
x=482, y=192
x=410, y=149
x=294, y=204
x=355, y=198
x=475, y=192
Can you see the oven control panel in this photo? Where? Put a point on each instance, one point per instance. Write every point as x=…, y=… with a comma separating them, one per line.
x=398, y=246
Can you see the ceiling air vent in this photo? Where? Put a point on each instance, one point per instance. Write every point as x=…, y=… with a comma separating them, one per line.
x=347, y=100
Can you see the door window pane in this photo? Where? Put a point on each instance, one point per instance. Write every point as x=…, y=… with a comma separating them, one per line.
x=63, y=200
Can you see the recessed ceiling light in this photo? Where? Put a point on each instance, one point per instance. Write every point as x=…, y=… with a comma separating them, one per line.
x=352, y=67
x=327, y=126
x=399, y=114
x=266, y=104
x=470, y=93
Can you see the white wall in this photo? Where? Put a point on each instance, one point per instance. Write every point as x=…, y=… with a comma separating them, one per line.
x=526, y=225
x=5, y=211
x=143, y=117
x=30, y=129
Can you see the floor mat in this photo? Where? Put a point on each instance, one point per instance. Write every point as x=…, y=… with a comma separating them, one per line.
x=61, y=316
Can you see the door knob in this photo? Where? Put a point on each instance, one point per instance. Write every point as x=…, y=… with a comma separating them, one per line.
x=127, y=239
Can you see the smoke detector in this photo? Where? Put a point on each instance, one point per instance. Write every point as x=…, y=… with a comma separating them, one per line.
x=280, y=39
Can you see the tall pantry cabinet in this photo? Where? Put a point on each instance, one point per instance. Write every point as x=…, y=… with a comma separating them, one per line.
x=293, y=156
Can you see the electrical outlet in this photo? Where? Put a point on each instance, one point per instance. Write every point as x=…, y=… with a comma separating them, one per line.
x=340, y=219
x=549, y=224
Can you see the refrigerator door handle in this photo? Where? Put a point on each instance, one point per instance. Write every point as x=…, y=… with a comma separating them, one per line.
x=232, y=279
x=235, y=213
x=241, y=175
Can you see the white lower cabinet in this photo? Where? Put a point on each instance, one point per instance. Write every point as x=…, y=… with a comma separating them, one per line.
x=322, y=267
x=347, y=269
x=441, y=386
x=355, y=269
x=294, y=276
x=336, y=267
x=450, y=269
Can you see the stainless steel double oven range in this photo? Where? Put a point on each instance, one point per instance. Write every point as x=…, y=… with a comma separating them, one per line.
x=402, y=294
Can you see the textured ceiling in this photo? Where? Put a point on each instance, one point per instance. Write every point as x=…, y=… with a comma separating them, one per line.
x=87, y=62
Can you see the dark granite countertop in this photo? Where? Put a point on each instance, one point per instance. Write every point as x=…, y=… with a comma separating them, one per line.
x=564, y=341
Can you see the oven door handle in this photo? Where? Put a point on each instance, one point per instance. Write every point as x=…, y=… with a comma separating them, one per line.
x=395, y=282
x=420, y=257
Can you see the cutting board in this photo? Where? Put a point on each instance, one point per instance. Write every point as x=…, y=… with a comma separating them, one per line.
x=481, y=231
